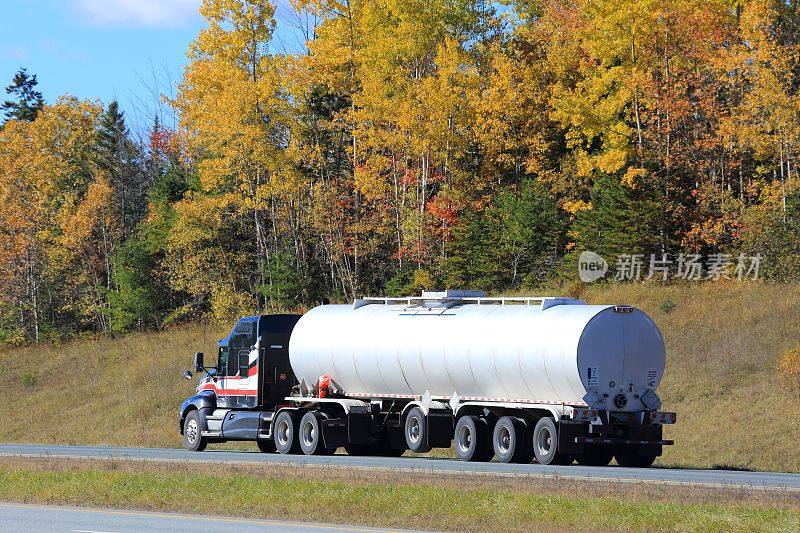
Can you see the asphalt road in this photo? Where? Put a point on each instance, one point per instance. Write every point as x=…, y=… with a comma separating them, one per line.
x=766, y=480
x=46, y=519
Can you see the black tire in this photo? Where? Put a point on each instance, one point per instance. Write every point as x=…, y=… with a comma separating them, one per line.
x=310, y=435
x=360, y=450
x=471, y=437
x=266, y=446
x=544, y=440
x=595, y=456
x=388, y=451
x=284, y=429
x=526, y=454
x=416, y=431
x=629, y=457
x=508, y=440
x=381, y=448
x=192, y=438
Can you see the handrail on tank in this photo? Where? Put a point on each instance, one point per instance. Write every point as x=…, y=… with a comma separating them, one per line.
x=448, y=299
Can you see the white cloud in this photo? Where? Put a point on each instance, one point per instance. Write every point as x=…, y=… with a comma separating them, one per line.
x=137, y=13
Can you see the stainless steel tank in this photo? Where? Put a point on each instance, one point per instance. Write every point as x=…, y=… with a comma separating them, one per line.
x=533, y=350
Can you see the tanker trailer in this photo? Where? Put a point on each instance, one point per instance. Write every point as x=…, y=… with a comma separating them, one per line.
x=547, y=378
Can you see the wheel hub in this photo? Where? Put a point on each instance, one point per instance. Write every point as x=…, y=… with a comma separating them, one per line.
x=414, y=429
x=464, y=438
x=283, y=432
x=544, y=441
x=191, y=430
x=504, y=444
x=309, y=435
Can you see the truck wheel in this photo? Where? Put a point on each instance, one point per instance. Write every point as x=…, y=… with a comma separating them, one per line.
x=595, y=456
x=310, y=434
x=471, y=437
x=285, y=433
x=630, y=458
x=545, y=443
x=508, y=439
x=266, y=446
x=359, y=450
x=192, y=438
x=416, y=431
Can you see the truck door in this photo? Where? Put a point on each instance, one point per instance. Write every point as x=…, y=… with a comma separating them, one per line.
x=238, y=383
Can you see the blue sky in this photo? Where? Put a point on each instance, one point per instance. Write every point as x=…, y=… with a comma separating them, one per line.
x=130, y=50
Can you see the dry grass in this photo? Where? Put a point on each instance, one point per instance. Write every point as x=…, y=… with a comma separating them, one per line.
x=124, y=391
x=724, y=342
x=723, y=345
x=388, y=499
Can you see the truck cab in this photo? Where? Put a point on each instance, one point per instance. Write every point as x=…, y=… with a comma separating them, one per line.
x=235, y=398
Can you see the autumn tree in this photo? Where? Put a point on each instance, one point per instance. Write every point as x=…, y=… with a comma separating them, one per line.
x=58, y=225
x=234, y=115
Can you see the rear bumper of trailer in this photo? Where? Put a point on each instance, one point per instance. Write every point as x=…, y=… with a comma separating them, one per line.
x=616, y=441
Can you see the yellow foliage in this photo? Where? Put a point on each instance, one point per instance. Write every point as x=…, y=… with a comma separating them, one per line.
x=574, y=206
x=422, y=280
x=632, y=174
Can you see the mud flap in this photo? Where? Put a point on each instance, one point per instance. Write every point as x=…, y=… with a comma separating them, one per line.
x=358, y=428
x=567, y=433
x=440, y=430
x=395, y=436
x=334, y=432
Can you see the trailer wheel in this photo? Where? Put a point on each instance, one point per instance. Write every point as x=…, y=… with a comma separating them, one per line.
x=628, y=456
x=310, y=433
x=192, y=437
x=545, y=443
x=508, y=439
x=266, y=446
x=285, y=433
x=416, y=430
x=595, y=456
x=471, y=437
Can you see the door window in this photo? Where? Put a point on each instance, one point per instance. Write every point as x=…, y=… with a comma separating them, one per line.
x=242, y=340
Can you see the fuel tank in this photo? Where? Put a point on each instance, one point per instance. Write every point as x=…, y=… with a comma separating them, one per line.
x=506, y=349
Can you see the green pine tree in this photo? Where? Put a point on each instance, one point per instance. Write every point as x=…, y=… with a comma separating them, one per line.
x=622, y=221
x=28, y=101
x=121, y=158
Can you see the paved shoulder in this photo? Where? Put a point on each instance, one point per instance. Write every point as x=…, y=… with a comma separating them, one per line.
x=47, y=519
x=771, y=480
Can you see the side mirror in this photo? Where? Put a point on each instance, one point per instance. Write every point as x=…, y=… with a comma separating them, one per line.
x=187, y=374
x=198, y=362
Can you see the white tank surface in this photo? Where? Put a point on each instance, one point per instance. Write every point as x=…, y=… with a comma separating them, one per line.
x=484, y=349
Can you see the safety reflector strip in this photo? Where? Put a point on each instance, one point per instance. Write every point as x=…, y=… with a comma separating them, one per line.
x=584, y=415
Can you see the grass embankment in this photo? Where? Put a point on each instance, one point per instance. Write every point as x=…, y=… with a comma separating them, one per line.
x=723, y=344
x=385, y=499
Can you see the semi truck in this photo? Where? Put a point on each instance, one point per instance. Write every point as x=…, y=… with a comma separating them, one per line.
x=550, y=379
